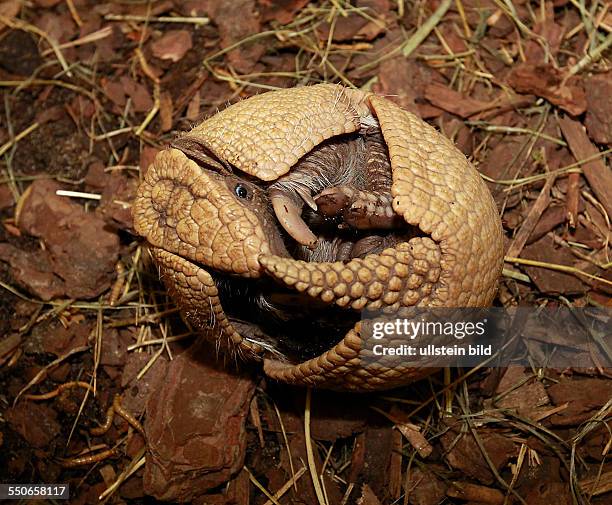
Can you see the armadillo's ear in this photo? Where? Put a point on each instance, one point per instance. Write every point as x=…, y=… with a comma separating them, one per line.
x=438, y=190
x=267, y=134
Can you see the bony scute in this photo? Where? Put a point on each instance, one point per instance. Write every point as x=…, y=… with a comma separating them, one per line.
x=270, y=217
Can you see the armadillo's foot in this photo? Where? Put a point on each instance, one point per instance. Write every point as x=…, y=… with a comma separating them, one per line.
x=372, y=244
x=363, y=210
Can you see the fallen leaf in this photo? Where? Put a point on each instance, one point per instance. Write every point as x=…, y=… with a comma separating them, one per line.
x=423, y=486
x=464, y=454
x=195, y=427
x=282, y=11
x=368, y=497
x=38, y=433
x=33, y=271
x=596, y=172
x=551, y=281
x=173, y=45
x=548, y=82
x=6, y=197
x=82, y=250
x=403, y=81
x=47, y=3
x=584, y=398
x=526, y=395
x=452, y=101
x=233, y=28
x=141, y=98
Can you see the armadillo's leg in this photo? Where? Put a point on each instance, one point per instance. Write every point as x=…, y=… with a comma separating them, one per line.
x=366, y=204
x=367, y=245
x=376, y=244
x=336, y=249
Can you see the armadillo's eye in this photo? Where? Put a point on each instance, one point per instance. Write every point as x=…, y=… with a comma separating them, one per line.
x=241, y=191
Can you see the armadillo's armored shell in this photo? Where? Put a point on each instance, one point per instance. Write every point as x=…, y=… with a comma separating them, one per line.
x=434, y=188
x=267, y=134
x=438, y=190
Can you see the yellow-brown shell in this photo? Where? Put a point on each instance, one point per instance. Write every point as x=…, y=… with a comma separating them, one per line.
x=434, y=188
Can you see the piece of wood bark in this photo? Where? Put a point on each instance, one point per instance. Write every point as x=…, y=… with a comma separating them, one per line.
x=573, y=198
x=597, y=174
x=453, y=101
x=531, y=220
x=475, y=492
x=395, y=466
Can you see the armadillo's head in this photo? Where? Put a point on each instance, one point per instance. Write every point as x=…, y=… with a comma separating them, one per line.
x=220, y=221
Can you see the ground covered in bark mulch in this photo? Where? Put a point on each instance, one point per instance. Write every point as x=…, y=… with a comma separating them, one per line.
x=93, y=354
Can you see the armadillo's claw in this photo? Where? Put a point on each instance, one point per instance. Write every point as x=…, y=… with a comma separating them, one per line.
x=288, y=215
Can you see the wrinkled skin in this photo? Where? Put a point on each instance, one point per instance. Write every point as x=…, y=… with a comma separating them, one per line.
x=201, y=234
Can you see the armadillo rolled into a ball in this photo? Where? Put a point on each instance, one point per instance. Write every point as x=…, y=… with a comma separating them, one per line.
x=277, y=221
